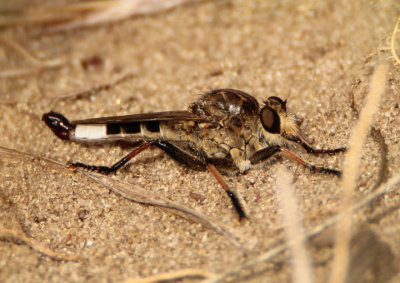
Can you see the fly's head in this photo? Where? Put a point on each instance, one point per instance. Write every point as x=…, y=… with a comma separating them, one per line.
x=277, y=124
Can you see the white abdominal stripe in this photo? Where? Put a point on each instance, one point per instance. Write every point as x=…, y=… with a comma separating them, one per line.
x=116, y=131
x=90, y=132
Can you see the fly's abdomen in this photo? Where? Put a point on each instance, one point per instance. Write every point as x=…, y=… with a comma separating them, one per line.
x=108, y=131
x=148, y=130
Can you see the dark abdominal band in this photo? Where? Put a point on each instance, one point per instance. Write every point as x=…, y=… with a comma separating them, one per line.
x=132, y=127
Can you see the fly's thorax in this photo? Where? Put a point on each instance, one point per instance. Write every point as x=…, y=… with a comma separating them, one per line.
x=231, y=132
x=234, y=130
x=223, y=102
x=213, y=141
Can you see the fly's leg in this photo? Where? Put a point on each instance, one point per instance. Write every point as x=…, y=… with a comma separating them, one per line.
x=199, y=163
x=309, y=149
x=265, y=153
x=312, y=167
x=231, y=194
x=116, y=166
x=190, y=160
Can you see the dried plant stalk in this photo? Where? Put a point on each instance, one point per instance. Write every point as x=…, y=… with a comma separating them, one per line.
x=280, y=248
x=38, y=64
x=352, y=163
x=20, y=237
x=292, y=218
x=392, y=42
x=175, y=275
x=135, y=193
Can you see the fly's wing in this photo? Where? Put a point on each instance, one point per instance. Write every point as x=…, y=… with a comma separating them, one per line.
x=149, y=126
x=146, y=117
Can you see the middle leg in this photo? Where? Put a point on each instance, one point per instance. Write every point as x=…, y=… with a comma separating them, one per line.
x=195, y=162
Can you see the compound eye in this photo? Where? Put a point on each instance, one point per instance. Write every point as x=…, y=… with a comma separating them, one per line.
x=270, y=120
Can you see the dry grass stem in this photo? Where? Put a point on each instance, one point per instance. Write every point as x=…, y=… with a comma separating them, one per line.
x=101, y=12
x=357, y=140
x=89, y=13
x=173, y=276
x=29, y=57
x=136, y=194
x=14, y=154
x=20, y=237
x=292, y=219
x=392, y=41
x=95, y=89
x=38, y=64
x=50, y=15
x=37, y=16
x=19, y=72
x=280, y=248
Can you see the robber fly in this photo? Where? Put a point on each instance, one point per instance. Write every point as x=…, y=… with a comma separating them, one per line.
x=225, y=131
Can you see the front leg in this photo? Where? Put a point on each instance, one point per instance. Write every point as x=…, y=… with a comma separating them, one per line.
x=309, y=149
x=263, y=154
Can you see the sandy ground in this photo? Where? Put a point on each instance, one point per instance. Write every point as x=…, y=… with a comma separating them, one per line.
x=60, y=225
